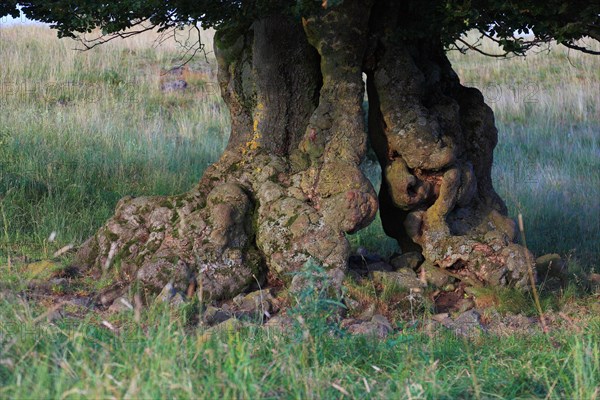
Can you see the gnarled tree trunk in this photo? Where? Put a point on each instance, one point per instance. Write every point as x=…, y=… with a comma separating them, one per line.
x=288, y=186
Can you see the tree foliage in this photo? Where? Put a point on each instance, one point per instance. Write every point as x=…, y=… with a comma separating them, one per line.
x=565, y=21
x=560, y=20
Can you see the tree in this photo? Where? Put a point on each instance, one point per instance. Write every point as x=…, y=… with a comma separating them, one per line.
x=288, y=186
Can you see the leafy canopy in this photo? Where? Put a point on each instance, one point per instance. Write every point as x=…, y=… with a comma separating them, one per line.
x=565, y=21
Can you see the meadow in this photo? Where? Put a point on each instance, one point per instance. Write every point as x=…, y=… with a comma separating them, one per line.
x=79, y=130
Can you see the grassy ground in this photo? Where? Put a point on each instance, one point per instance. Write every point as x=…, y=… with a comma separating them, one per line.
x=162, y=358
x=80, y=130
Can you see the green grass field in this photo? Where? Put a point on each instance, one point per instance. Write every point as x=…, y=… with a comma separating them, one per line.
x=79, y=130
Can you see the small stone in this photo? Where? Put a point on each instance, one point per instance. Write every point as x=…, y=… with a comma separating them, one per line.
x=511, y=324
x=282, y=323
x=366, y=328
x=550, y=265
x=464, y=304
x=434, y=275
x=520, y=321
x=108, y=296
x=446, y=301
x=345, y=323
x=178, y=299
x=404, y=278
x=82, y=302
x=174, y=86
x=440, y=317
x=380, y=266
x=367, y=314
x=166, y=293
x=255, y=305
x=379, y=327
x=121, y=304
x=171, y=295
x=351, y=304
x=410, y=260
x=467, y=324
x=383, y=321
x=214, y=315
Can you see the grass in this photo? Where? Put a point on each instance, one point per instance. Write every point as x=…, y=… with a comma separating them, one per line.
x=162, y=357
x=80, y=130
x=165, y=356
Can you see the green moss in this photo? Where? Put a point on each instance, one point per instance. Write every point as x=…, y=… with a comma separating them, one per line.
x=94, y=250
x=165, y=275
x=113, y=237
x=232, y=168
x=167, y=203
x=105, y=282
x=291, y=220
x=141, y=257
x=179, y=201
x=124, y=252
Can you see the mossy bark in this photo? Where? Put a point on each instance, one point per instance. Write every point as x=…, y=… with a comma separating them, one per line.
x=435, y=140
x=288, y=186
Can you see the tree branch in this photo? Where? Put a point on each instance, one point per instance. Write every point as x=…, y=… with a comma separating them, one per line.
x=580, y=48
x=477, y=49
x=91, y=43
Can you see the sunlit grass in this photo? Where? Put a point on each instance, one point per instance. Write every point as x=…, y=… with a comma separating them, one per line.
x=163, y=355
x=80, y=130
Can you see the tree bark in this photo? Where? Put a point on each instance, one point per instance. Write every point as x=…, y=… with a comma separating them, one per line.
x=288, y=186
x=435, y=139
